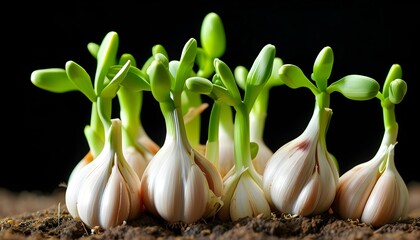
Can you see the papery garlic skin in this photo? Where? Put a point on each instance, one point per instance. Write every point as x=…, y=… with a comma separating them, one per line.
x=301, y=177
x=106, y=192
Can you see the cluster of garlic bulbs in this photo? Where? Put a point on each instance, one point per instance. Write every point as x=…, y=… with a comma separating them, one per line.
x=235, y=174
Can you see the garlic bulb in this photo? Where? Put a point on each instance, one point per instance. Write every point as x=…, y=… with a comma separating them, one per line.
x=374, y=191
x=179, y=184
x=301, y=177
x=106, y=192
x=371, y=195
x=355, y=186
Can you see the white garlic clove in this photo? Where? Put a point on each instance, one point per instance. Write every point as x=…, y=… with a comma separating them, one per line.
x=115, y=202
x=388, y=201
x=248, y=199
x=355, y=186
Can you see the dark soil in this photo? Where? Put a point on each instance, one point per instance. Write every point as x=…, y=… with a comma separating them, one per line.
x=31, y=215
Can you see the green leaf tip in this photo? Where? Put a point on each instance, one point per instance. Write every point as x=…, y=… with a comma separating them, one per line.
x=212, y=35
x=397, y=90
x=261, y=68
x=293, y=76
x=323, y=67
x=356, y=87
x=160, y=81
x=259, y=74
x=81, y=79
x=199, y=84
x=53, y=80
x=110, y=90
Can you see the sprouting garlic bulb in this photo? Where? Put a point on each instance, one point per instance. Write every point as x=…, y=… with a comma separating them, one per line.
x=105, y=192
x=372, y=194
x=301, y=177
x=179, y=184
x=243, y=196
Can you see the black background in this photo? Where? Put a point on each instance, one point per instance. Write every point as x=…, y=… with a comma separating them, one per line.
x=42, y=132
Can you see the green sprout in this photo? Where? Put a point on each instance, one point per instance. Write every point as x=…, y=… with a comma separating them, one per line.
x=374, y=191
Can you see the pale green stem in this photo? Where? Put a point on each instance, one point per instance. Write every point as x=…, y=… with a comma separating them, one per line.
x=242, y=149
x=168, y=111
x=179, y=115
x=130, y=108
x=212, y=150
x=96, y=123
x=323, y=103
x=104, y=111
x=390, y=122
x=193, y=127
x=390, y=125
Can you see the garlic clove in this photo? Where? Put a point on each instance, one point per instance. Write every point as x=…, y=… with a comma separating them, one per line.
x=243, y=196
x=114, y=194
x=286, y=173
x=388, y=201
x=355, y=186
x=248, y=199
x=308, y=198
x=197, y=190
